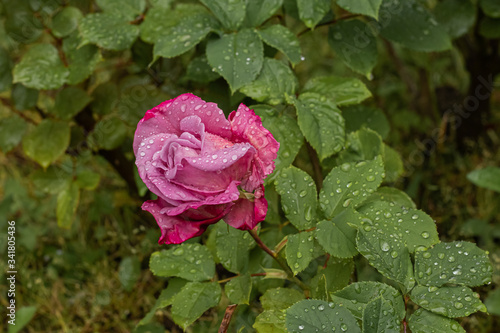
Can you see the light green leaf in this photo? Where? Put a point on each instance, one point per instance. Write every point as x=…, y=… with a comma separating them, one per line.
x=12, y=130
x=109, y=133
x=461, y=263
x=355, y=45
x=23, y=317
x=490, y=28
x=233, y=246
x=349, y=184
x=357, y=295
x=275, y=81
x=259, y=11
x=340, y=90
x=318, y=316
x=299, y=250
x=393, y=164
x=238, y=289
x=270, y=321
x=359, y=116
x=199, y=70
x=193, y=300
x=126, y=8
x=337, y=237
x=109, y=31
x=490, y=7
x=66, y=21
x=379, y=317
x=280, y=298
x=312, y=11
x=455, y=16
x=41, y=68
x=5, y=70
x=364, y=7
x=70, y=101
x=52, y=180
x=229, y=12
x=298, y=196
x=81, y=60
x=488, y=177
x=413, y=26
x=129, y=272
x=322, y=124
x=192, y=262
x=47, y=142
x=279, y=37
x=67, y=203
x=422, y=321
x=237, y=57
x=88, y=180
x=451, y=302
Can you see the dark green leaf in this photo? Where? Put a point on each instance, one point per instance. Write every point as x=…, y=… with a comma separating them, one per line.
x=422, y=321
x=24, y=98
x=126, y=8
x=391, y=194
x=12, y=130
x=82, y=60
x=340, y=90
x=238, y=289
x=260, y=10
x=337, y=237
x=105, y=98
x=237, y=57
x=488, y=177
x=21, y=24
x=70, y=101
x=364, y=7
x=67, y=203
x=199, y=70
x=492, y=302
x=5, y=70
x=280, y=298
x=229, y=12
x=23, y=317
x=490, y=28
x=41, y=68
x=88, y=180
x=109, y=133
x=359, y=116
x=192, y=262
x=490, y=7
x=335, y=276
x=282, y=39
x=455, y=16
x=312, y=11
x=52, y=180
x=299, y=251
x=129, y=272
x=66, y=21
x=233, y=247
x=379, y=317
x=109, y=31
x=393, y=164
x=362, y=145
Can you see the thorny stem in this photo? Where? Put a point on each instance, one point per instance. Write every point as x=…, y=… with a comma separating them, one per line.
x=227, y=318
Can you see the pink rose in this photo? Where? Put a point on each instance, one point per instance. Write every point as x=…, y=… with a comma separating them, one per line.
x=202, y=166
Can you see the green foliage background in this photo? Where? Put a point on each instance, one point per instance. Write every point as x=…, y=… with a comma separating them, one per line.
x=339, y=83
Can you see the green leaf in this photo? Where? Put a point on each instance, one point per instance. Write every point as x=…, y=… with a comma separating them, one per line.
x=238, y=289
x=490, y=28
x=488, y=177
x=229, y=12
x=335, y=276
x=126, y=8
x=357, y=295
x=193, y=300
x=319, y=316
x=490, y=7
x=282, y=39
x=259, y=11
x=175, y=32
x=82, y=60
x=461, y=263
x=364, y=7
x=349, y=184
x=88, y=180
x=380, y=317
x=270, y=321
x=362, y=145
x=12, y=130
x=322, y=124
x=451, y=302
x=237, y=57
x=109, y=133
x=69, y=102
x=20, y=24
x=199, y=70
x=23, y=98
x=41, y=68
x=492, y=302
x=280, y=298
x=47, y=142
x=385, y=249
x=233, y=247
x=422, y=321
x=340, y=90
x=393, y=164
x=299, y=251
x=312, y=11
x=52, y=180
x=359, y=116
x=391, y=194
x=298, y=196
x=67, y=203
x=104, y=98
x=23, y=317
x=109, y=31
x=275, y=81
x=355, y=45
x=129, y=272
x=412, y=25
x=5, y=70
x=192, y=262
x=66, y=21
x=416, y=227
x=337, y=237
x=455, y=16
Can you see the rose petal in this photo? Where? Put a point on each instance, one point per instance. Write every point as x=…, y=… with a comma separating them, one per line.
x=246, y=214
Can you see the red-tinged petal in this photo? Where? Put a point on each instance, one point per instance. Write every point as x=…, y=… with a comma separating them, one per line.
x=246, y=214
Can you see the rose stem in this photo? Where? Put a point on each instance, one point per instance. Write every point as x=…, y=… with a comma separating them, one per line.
x=285, y=267
x=227, y=318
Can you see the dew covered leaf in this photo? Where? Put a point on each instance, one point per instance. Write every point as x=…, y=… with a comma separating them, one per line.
x=127, y=8
x=312, y=11
x=233, y=246
x=69, y=101
x=423, y=321
x=229, y=12
x=335, y=276
x=81, y=60
x=298, y=197
x=488, y=177
x=359, y=116
x=192, y=262
x=321, y=122
x=319, y=316
x=259, y=11
x=299, y=250
x=270, y=321
x=275, y=81
x=451, y=302
x=238, y=289
x=455, y=16
x=339, y=90
x=237, y=57
x=357, y=295
x=280, y=298
x=66, y=21
x=364, y=7
x=349, y=185
x=379, y=317
x=461, y=263
x=96, y=28
x=391, y=194
x=199, y=70
x=279, y=37
x=362, y=145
